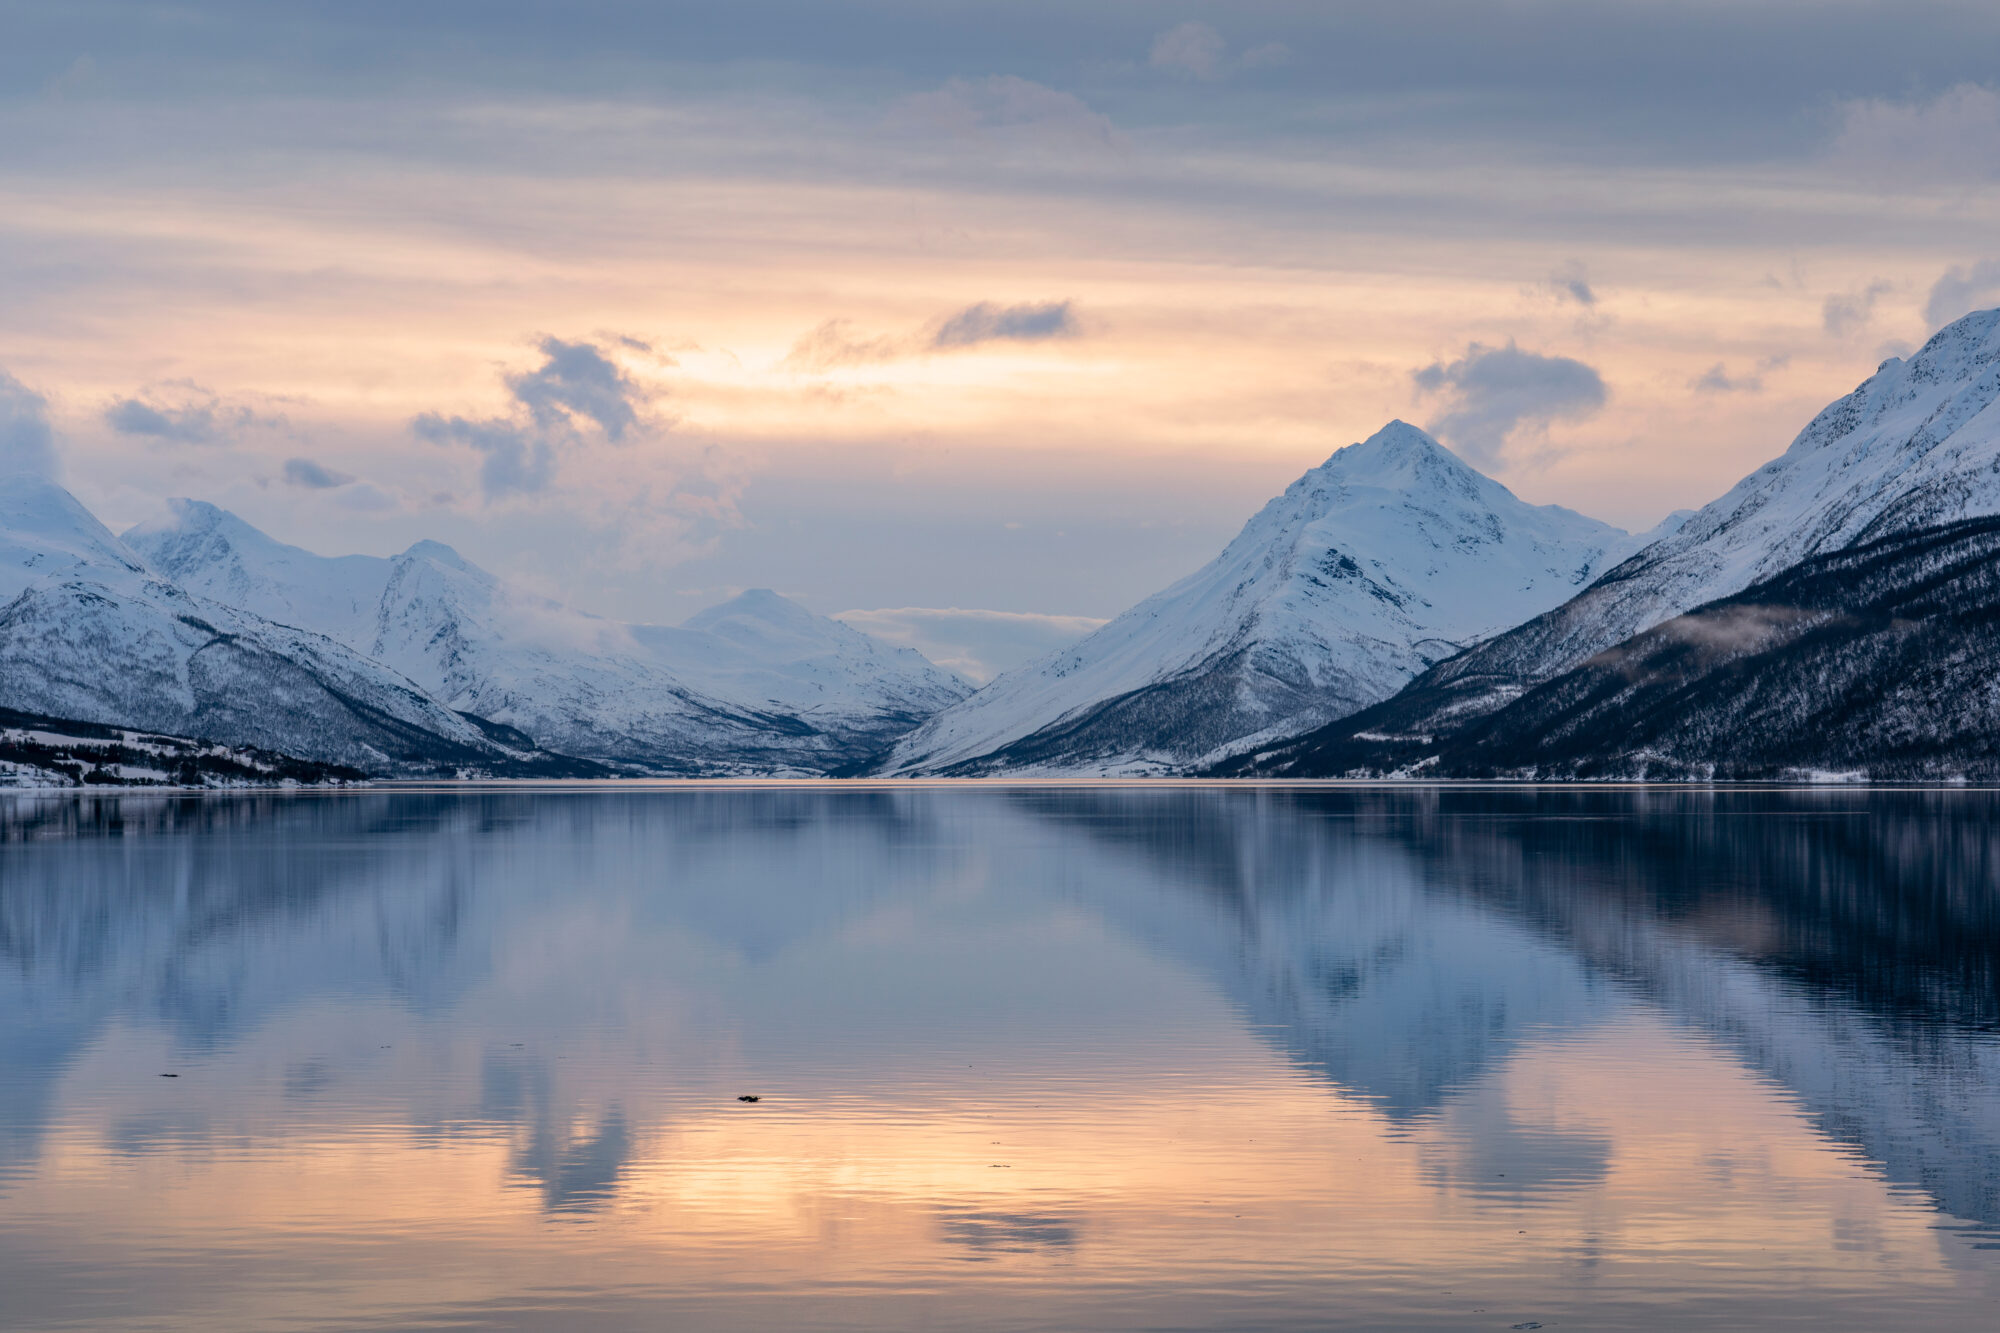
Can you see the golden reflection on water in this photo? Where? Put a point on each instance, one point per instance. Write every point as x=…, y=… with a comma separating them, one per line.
x=1024, y=1088
x=1694, y=1168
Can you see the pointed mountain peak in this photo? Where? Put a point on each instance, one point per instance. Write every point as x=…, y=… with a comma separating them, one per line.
x=195, y=520
x=1398, y=455
x=759, y=604
x=46, y=532
x=1935, y=392
x=31, y=503
x=197, y=513
x=1400, y=438
x=439, y=553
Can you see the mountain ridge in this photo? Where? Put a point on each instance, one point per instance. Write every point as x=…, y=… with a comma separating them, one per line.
x=1364, y=571
x=91, y=632
x=1915, y=444
x=757, y=684
x=1873, y=660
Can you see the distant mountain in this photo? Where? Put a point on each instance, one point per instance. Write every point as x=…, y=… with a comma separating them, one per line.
x=756, y=685
x=89, y=632
x=1916, y=445
x=1388, y=557
x=1877, y=661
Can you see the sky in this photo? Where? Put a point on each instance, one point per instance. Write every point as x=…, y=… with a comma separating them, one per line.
x=980, y=321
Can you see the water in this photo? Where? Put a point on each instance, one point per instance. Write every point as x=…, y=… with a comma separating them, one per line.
x=1028, y=1058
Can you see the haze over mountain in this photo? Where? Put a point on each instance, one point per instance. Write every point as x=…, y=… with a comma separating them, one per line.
x=757, y=684
x=1390, y=556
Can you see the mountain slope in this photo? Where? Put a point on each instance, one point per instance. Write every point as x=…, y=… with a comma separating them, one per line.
x=90, y=633
x=1877, y=659
x=1384, y=559
x=56, y=752
x=1916, y=445
x=755, y=685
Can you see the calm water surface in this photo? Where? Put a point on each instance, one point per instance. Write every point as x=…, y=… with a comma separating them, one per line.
x=1057, y=1058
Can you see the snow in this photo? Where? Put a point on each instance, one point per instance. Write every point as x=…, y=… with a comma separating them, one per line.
x=45, y=534
x=1388, y=557
x=1916, y=445
x=757, y=684
x=91, y=632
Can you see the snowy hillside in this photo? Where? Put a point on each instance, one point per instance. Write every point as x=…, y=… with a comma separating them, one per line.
x=757, y=684
x=1916, y=445
x=1875, y=660
x=1388, y=557
x=90, y=633
x=1915, y=448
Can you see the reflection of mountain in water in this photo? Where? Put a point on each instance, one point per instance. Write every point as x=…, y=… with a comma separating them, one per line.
x=214, y=919
x=1846, y=945
x=1337, y=947
x=1398, y=943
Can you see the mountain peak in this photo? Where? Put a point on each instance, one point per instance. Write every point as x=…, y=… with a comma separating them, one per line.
x=29, y=501
x=439, y=553
x=1332, y=596
x=193, y=524
x=759, y=604
x=197, y=513
x=1399, y=456
x=45, y=531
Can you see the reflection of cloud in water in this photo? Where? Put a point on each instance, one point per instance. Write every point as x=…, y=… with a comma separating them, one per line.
x=576, y=1173
x=1480, y=1147
x=985, y=1233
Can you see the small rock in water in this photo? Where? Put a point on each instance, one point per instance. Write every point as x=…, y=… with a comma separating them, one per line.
x=748, y=1097
x=170, y=1076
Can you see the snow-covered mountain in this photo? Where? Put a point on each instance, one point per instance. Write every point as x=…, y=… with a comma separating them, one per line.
x=89, y=632
x=757, y=684
x=1915, y=446
x=1877, y=659
x=1388, y=557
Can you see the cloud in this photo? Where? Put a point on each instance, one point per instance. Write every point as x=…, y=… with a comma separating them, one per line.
x=1716, y=379
x=1570, y=283
x=576, y=380
x=1954, y=138
x=1006, y=104
x=183, y=412
x=1849, y=313
x=554, y=406
x=312, y=476
x=1195, y=50
x=1491, y=392
x=1962, y=290
x=986, y=322
x=27, y=444
x=1191, y=48
x=517, y=460
x=837, y=343
x=979, y=645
